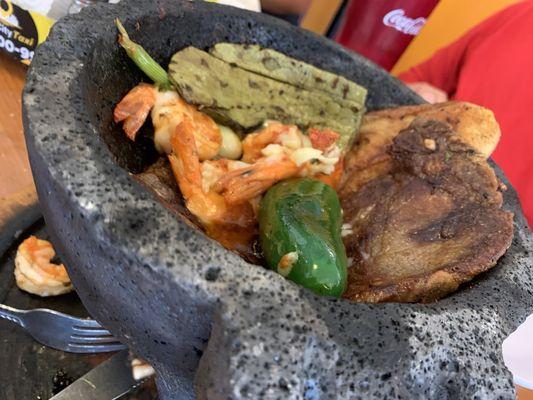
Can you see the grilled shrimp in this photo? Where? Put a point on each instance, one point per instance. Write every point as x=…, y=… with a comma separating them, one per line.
x=34, y=271
x=168, y=110
x=275, y=147
x=246, y=183
x=134, y=108
x=264, y=163
x=225, y=194
x=273, y=132
x=204, y=202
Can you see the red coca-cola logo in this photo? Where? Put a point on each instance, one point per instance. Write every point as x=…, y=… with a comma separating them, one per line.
x=398, y=20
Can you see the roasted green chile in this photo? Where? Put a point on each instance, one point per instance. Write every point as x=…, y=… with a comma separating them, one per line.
x=300, y=230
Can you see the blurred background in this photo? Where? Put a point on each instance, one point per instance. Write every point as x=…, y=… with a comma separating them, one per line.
x=358, y=24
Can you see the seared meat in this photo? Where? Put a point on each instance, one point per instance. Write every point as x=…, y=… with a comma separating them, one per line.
x=474, y=125
x=426, y=223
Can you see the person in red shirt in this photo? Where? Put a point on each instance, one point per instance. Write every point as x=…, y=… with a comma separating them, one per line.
x=492, y=65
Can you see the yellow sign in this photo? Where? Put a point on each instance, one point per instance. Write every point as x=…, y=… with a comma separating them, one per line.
x=21, y=30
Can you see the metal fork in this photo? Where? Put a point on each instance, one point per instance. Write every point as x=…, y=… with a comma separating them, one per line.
x=63, y=332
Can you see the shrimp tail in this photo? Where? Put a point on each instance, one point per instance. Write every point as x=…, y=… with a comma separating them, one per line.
x=134, y=108
x=246, y=183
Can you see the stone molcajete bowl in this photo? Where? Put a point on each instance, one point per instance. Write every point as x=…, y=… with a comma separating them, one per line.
x=213, y=325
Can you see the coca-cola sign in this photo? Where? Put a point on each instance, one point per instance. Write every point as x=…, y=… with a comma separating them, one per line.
x=398, y=20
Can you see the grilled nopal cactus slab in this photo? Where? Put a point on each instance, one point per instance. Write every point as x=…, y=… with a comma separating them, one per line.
x=275, y=65
x=245, y=99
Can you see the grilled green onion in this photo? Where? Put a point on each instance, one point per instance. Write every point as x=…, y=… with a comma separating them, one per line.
x=142, y=59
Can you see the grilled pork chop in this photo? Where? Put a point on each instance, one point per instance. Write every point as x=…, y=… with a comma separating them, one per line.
x=428, y=221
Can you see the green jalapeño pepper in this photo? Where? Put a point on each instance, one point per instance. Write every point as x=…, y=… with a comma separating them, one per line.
x=300, y=230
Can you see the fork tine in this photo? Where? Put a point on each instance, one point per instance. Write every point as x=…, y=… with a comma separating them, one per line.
x=82, y=333
x=95, y=348
x=87, y=323
x=79, y=339
x=90, y=332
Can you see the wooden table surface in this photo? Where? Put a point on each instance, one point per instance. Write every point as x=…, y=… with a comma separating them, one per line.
x=15, y=174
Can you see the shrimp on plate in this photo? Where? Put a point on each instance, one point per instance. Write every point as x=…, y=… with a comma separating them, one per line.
x=224, y=194
x=316, y=155
x=34, y=271
x=167, y=110
x=197, y=180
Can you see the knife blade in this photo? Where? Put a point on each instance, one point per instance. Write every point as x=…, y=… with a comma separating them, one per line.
x=108, y=381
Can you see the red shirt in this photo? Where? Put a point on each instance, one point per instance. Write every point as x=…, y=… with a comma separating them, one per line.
x=492, y=65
